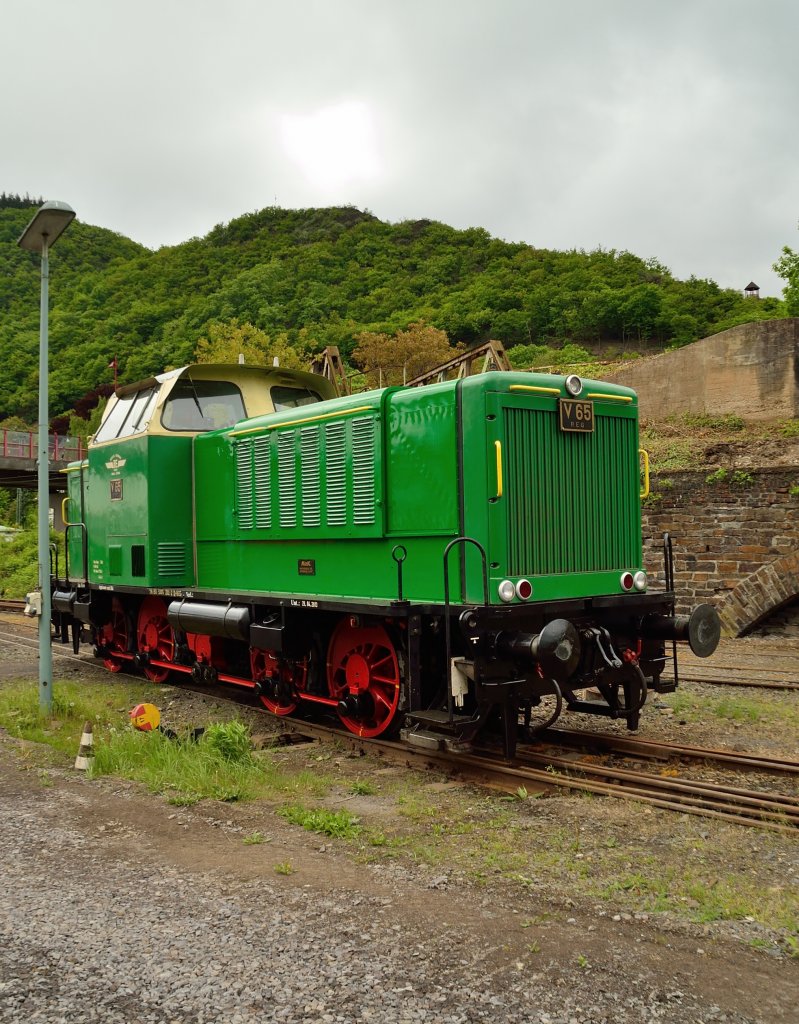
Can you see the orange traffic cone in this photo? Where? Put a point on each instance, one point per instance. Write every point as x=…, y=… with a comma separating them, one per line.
x=83, y=761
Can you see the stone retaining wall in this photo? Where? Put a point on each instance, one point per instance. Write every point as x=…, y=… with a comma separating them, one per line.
x=751, y=370
x=735, y=536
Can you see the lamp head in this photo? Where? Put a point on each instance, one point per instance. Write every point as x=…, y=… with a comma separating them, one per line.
x=47, y=225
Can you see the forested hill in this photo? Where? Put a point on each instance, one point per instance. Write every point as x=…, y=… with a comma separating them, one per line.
x=323, y=276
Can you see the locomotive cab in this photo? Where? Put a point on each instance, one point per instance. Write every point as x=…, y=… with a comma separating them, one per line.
x=135, y=487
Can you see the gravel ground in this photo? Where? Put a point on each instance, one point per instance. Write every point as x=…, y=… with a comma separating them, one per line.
x=116, y=907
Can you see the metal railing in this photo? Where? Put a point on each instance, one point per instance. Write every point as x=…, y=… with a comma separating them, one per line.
x=24, y=444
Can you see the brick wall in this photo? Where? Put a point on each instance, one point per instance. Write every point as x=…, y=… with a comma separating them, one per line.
x=736, y=540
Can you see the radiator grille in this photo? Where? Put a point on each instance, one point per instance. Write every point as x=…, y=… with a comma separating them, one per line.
x=244, y=484
x=263, y=483
x=171, y=559
x=310, y=481
x=286, y=476
x=336, y=474
x=570, y=498
x=363, y=470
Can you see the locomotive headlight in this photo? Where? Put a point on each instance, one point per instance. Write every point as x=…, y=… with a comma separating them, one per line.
x=574, y=385
x=524, y=590
x=639, y=580
x=506, y=591
x=627, y=581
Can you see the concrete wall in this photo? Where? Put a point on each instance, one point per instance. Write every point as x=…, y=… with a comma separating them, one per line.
x=751, y=370
x=736, y=540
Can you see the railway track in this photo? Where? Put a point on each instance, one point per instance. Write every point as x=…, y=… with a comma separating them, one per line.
x=732, y=666
x=542, y=770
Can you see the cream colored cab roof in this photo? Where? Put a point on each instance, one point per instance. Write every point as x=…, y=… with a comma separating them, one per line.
x=255, y=383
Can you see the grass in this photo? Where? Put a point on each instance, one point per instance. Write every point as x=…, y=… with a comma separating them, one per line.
x=338, y=824
x=680, y=442
x=221, y=766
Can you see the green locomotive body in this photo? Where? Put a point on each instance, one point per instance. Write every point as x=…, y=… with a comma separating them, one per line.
x=444, y=555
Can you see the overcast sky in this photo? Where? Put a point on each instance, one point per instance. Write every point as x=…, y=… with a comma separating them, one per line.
x=666, y=127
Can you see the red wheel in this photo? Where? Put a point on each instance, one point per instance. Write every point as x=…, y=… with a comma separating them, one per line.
x=115, y=636
x=155, y=637
x=279, y=680
x=363, y=676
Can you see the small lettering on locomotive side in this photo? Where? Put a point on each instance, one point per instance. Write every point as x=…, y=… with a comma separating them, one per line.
x=116, y=488
x=306, y=566
x=297, y=603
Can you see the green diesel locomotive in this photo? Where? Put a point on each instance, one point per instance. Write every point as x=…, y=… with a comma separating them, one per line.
x=443, y=559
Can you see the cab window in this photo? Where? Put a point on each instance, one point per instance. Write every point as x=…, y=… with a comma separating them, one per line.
x=202, y=405
x=292, y=398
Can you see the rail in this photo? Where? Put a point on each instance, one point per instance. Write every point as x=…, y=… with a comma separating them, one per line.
x=24, y=444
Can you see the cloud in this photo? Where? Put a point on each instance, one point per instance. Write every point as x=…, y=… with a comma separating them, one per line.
x=666, y=129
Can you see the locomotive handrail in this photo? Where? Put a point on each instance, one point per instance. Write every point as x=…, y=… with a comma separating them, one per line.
x=54, y=551
x=498, y=450
x=447, y=632
x=399, y=553
x=668, y=572
x=643, y=452
x=84, y=549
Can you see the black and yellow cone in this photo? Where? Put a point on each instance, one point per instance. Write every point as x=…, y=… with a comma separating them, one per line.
x=85, y=758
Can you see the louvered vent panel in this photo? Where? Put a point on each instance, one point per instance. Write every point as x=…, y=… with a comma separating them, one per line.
x=560, y=490
x=309, y=481
x=244, y=484
x=363, y=471
x=263, y=483
x=336, y=474
x=287, y=479
x=171, y=559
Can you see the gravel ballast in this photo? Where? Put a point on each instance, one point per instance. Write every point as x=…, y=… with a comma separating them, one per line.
x=116, y=909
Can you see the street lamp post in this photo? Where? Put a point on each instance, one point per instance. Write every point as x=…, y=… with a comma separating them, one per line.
x=42, y=232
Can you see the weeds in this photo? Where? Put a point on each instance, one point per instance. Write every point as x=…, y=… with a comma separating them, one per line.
x=362, y=788
x=338, y=824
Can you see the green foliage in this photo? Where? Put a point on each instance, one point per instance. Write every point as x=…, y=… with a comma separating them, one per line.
x=787, y=266
x=361, y=787
x=230, y=740
x=394, y=360
x=339, y=824
x=547, y=358
x=309, y=278
x=224, y=343
x=727, y=421
x=19, y=561
x=738, y=477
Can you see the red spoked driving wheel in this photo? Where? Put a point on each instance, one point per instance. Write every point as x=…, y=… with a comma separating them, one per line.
x=155, y=637
x=115, y=636
x=278, y=680
x=363, y=676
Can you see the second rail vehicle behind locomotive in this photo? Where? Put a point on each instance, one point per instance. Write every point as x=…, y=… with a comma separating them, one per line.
x=450, y=558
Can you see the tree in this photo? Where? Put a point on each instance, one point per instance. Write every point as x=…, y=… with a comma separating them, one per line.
x=224, y=342
x=787, y=266
x=387, y=360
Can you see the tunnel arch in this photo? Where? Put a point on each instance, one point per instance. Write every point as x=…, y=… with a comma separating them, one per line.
x=765, y=591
